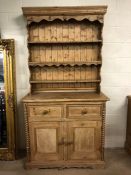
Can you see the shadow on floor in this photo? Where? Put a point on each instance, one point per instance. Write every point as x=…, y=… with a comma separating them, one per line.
x=118, y=162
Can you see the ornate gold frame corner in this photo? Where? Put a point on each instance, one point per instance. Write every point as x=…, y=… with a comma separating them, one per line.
x=8, y=47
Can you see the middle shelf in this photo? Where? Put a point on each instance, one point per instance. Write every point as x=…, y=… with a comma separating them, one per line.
x=65, y=53
x=65, y=73
x=42, y=64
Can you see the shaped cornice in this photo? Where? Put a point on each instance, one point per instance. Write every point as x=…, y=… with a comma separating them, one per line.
x=91, y=13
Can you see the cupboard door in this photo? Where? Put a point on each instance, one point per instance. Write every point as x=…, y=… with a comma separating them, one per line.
x=84, y=140
x=46, y=141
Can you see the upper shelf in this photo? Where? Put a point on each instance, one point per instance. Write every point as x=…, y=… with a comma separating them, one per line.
x=64, y=42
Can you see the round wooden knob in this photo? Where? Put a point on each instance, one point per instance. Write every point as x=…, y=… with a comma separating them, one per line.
x=84, y=111
x=45, y=112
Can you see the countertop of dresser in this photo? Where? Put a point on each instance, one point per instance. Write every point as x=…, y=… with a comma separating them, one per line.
x=64, y=96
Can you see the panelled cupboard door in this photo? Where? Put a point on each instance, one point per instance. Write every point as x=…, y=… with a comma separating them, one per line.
x=84, y=140
x=46, y=141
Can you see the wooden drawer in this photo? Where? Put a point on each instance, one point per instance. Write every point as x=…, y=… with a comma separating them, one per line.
x=83, y=110
x=39, y=113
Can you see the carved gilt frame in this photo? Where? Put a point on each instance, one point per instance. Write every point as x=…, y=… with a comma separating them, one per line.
x=8, y=48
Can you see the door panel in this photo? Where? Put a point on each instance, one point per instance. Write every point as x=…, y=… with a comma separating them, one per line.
x=84, y=140
x=45, y=141
x=50, y=136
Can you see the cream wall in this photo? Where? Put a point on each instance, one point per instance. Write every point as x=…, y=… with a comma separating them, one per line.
x=116, y=52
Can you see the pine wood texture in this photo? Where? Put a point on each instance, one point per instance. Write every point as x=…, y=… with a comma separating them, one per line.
x=44, y=137
x=60, y=96
x=65, y=54
x=37, y=14
x=84, y=140
x=65, y=129
x=65, y=132
x=65, y=111
x=71, y=49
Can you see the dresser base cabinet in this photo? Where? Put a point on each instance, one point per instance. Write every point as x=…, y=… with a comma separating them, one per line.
x=66, y=132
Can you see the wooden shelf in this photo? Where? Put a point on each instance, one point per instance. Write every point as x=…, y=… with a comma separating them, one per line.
x=64, y=42
x=64, y=81
x=33, y=64
x=65, y=52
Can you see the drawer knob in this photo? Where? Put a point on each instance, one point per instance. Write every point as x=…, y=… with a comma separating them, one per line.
x=46, y=112
x=84, y=111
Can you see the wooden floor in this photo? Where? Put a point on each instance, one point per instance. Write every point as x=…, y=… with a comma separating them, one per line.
x=118, y=162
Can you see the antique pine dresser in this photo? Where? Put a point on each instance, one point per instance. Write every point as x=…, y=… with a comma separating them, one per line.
x=65, y=109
